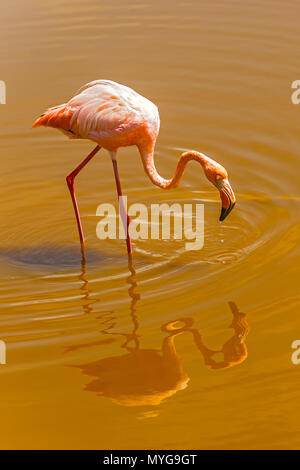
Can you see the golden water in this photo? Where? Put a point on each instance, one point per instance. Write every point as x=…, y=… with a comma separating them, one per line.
x=99, y=356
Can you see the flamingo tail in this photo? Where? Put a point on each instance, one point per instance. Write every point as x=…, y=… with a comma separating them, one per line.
x=58, y=117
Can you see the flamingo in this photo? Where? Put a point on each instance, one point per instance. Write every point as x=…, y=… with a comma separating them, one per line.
x=113, y=116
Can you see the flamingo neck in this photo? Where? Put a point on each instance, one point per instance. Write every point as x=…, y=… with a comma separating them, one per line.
x=150, y=169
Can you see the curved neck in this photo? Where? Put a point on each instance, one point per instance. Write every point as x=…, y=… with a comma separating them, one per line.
x=149, y=166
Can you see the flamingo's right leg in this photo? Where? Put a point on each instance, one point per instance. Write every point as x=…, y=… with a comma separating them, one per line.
x=70, y=182
x=124, y=215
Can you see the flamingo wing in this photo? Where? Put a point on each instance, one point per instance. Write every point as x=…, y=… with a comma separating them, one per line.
x=101, y=109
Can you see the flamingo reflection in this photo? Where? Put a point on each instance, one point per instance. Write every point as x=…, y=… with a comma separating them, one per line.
x=141, y=377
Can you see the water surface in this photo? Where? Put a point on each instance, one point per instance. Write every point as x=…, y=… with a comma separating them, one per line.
x=188, y=349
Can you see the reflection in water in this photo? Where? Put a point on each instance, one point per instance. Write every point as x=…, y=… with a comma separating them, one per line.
x=234, y=350
x=148, y=376
x=140, y=377
x=51, y=255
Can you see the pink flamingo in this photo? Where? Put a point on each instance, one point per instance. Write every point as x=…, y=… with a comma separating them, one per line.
x=113, y=116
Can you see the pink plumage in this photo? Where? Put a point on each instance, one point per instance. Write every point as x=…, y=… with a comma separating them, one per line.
x=113, y=116
x=108, y=113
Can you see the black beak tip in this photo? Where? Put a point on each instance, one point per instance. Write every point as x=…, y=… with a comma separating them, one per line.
x=225, y=212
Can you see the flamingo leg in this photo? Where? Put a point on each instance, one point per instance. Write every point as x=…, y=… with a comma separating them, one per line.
x=124, y=215
x=70, y=182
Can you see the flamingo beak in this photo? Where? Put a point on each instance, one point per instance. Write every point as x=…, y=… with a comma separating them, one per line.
x=227, y=198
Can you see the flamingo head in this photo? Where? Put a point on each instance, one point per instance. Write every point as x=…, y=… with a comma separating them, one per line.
x=218, y=176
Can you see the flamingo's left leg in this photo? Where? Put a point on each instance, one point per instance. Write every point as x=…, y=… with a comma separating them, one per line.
x=70, y=182
x=124, y=215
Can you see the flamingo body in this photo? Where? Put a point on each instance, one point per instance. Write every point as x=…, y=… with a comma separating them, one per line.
x=113, y=116
x=108, y=113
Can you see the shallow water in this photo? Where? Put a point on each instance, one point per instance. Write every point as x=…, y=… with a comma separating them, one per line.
x=187, y=349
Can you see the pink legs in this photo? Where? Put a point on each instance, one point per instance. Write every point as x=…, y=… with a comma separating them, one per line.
x=124, y=215
x=70, y=182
